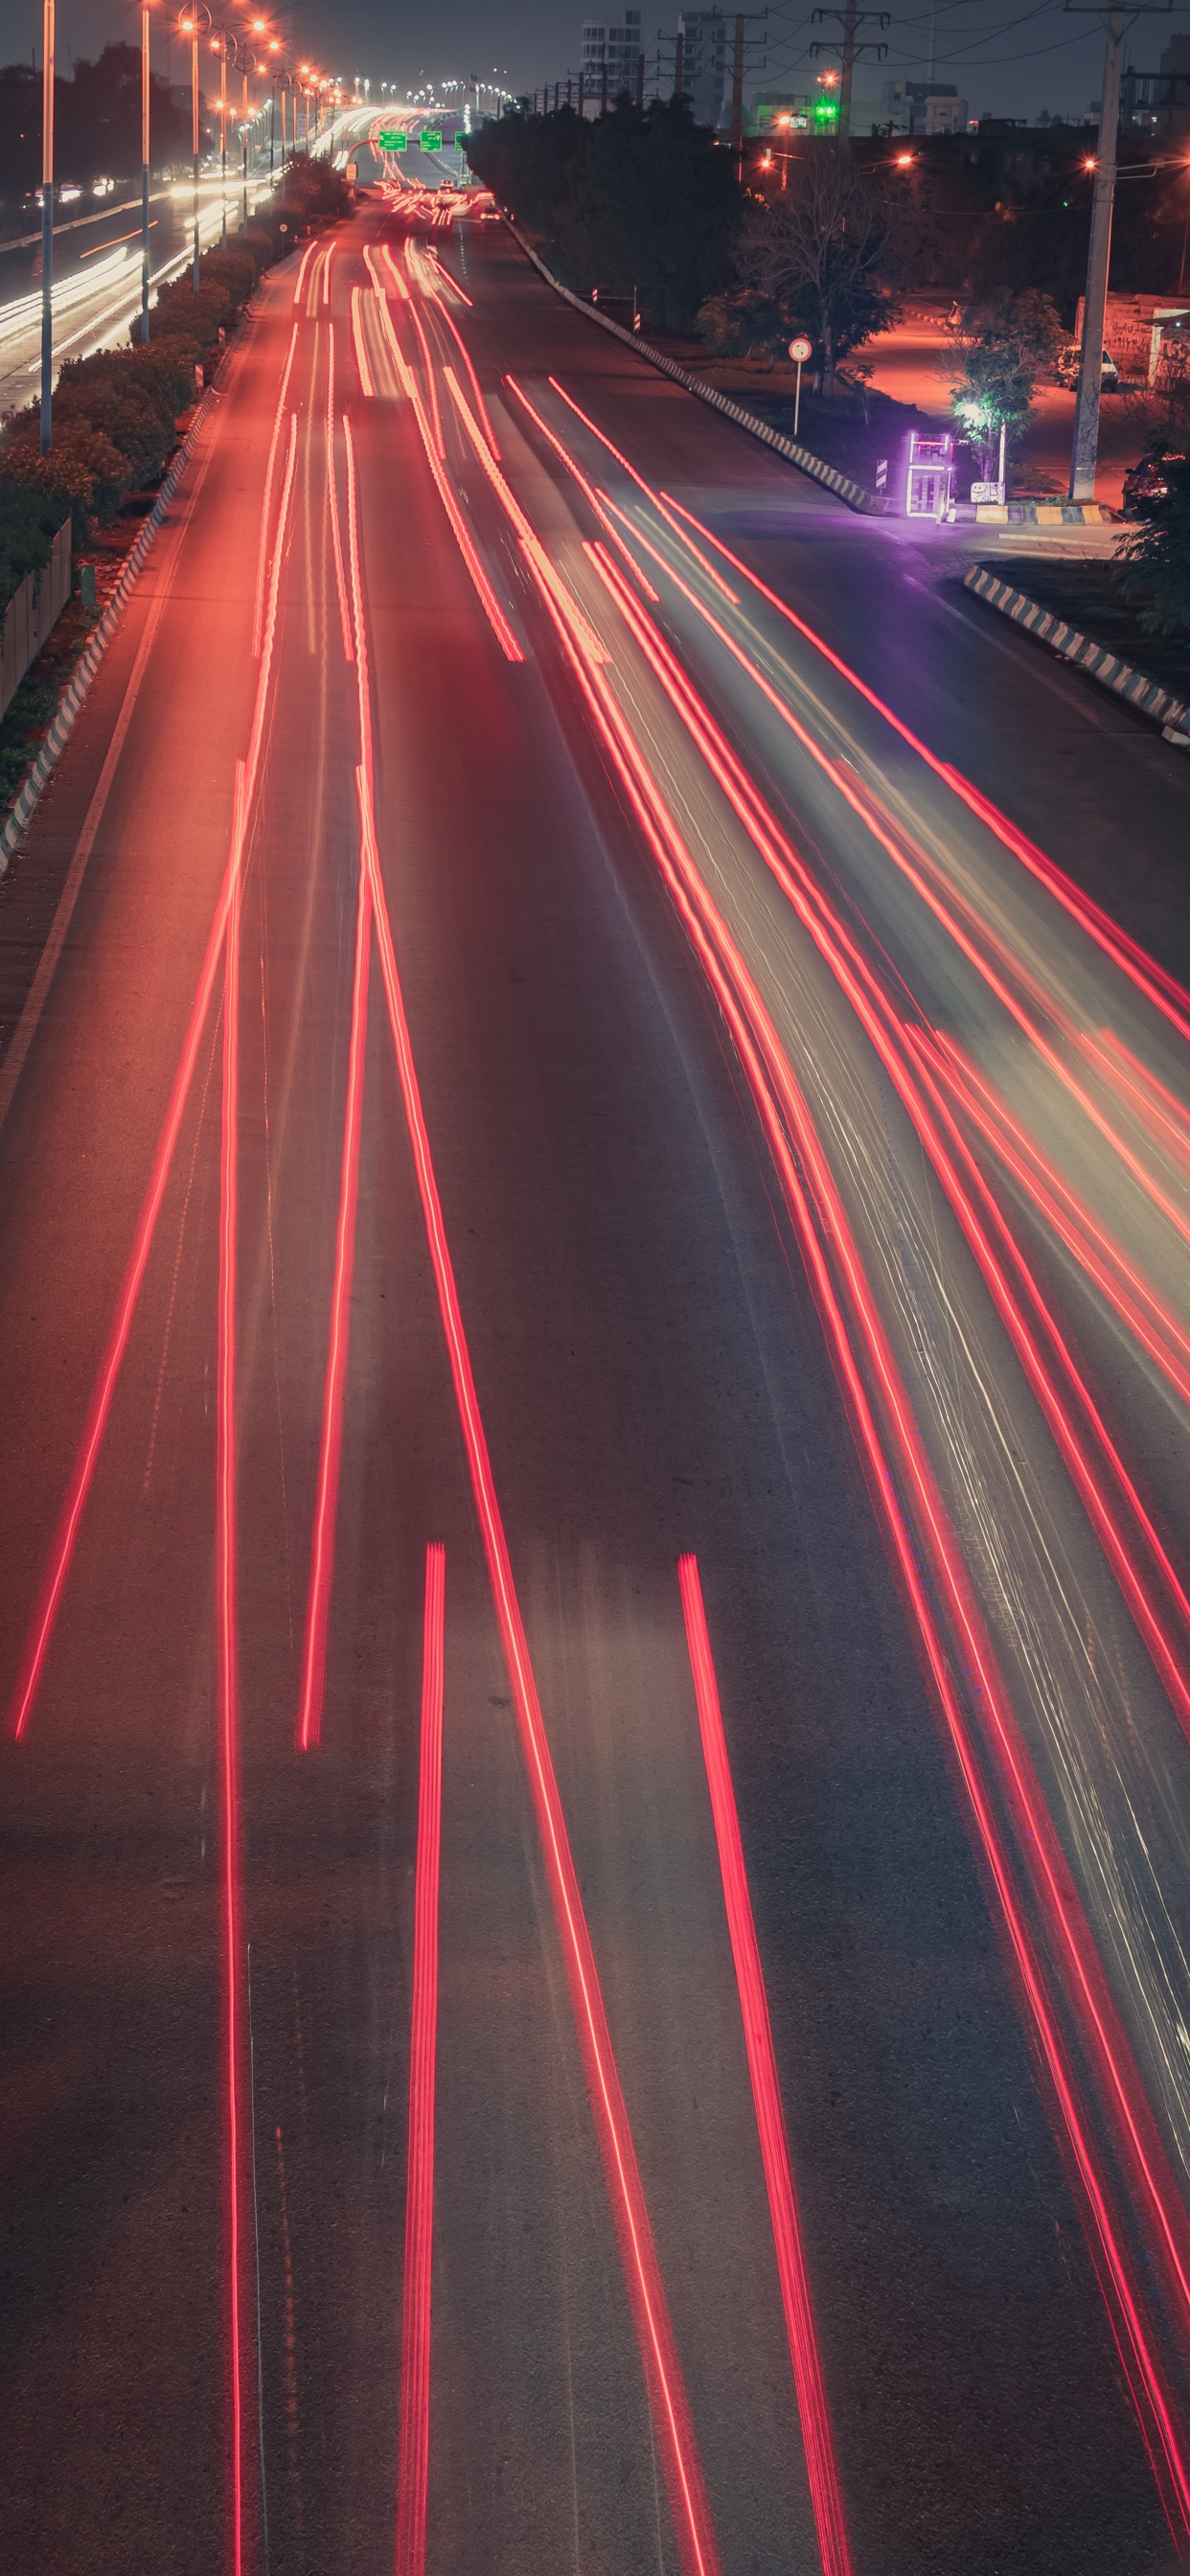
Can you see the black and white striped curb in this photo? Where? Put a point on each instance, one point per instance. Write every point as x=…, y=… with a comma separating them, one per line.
x=89, y=661
x=1146, y=695
x=874, y=504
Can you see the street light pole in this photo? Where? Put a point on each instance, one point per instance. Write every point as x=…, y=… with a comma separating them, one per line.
x=1084, y=454
x=47, y=224
x=144, y=170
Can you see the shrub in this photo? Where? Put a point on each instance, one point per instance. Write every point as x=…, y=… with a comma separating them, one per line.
x=84, y=474
x=1158, y=560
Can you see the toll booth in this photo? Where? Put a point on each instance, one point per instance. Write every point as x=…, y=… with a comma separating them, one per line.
x=930, y=475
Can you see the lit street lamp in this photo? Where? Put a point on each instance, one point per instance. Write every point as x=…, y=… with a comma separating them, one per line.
x=195, y=23
x=47, y=223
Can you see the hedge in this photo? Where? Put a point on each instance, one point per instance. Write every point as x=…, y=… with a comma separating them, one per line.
x=115, y=414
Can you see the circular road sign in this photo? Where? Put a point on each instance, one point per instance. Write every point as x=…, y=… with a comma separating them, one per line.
x=799, y=351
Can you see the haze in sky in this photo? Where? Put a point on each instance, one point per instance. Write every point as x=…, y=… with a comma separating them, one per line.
x=1007, y=60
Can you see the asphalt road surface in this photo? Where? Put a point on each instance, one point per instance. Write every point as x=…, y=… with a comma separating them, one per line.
x=594, y=1343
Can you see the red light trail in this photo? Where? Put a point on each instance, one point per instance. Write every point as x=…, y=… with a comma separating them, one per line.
x=41, y=1631
x=331, y=499
x=322, y=1551
x=784, y=1116
x=413, y=2464
x=679, y=2452
x=821, y=2466
x=227, y=1663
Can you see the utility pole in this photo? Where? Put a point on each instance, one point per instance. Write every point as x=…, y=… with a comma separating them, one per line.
x=640, y=83
x=850, y=18
x=1084, y=454
x=737, y=97
x=679, y=62
x=47, y=224
x=603, y=83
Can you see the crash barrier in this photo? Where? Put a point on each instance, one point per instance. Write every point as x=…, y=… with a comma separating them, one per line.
x=1146, y=695
x=874, y=504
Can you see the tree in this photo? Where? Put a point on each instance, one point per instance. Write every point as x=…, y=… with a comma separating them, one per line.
x=650, y=205
x=998, y=353
x=817, y=254
x=1158, y=560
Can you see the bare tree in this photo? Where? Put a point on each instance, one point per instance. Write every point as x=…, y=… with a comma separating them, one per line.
x=818, y=250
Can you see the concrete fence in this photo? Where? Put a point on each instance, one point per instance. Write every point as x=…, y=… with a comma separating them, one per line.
x=37, y=606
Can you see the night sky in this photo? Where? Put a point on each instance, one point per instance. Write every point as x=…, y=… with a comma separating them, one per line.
x=1007, y=60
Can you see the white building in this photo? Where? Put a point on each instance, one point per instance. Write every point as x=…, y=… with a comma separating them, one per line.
x=706, y=72
x=618, y=42
x=918, y=107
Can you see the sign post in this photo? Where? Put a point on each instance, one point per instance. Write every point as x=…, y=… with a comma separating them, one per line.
x=799, y=351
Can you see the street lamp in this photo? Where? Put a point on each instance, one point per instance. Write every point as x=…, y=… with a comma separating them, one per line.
x=47, y=223
x=144, y=169
x=194, y=23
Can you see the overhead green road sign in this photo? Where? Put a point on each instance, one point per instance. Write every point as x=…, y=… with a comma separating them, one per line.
x=431, y=140
x=392, y=138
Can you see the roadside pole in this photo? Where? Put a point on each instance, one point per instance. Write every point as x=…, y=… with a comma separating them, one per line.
x=1084, y=454
x=144, y=170
x=47, y=225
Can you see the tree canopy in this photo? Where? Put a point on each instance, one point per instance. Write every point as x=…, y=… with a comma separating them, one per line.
x=999, y=351
x=640, y=199
x=813, y=258
x=97, y=122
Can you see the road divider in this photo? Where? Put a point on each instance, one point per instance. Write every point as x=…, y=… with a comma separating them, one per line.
x=1108, y=668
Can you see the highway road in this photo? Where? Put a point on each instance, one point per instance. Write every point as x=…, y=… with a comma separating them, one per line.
x=97, y=263
x=595, y=1154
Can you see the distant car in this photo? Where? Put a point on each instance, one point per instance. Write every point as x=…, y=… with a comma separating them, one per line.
x=1070, y=360
x=1146, y=484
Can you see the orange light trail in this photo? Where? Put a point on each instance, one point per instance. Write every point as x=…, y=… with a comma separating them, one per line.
x=431, y=387
x=227, y=1662
x=262, y=559
x=361, y=354
x=821, y=2466
x=300, y=279
x=484, y=591
x=588, y=491
x=42, y=1627
x=331, y=498
x=322, y=1551
x=413, y=2459
x=683, y=2470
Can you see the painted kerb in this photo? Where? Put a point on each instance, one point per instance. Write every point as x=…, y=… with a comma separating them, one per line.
x=873, y=504
x=1146, y=695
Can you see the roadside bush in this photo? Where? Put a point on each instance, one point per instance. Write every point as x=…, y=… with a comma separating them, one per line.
x=1158, y=560
x=84, y=474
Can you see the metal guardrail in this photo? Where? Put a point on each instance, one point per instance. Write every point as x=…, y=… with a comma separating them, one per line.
x=1097, y=660
x=31, y=612
x=873, y=504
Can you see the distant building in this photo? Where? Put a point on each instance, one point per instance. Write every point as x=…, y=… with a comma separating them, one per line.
x=1159, y=102
x=917, y=107
x=706, y=79
x=785, y=110
x=618, y=42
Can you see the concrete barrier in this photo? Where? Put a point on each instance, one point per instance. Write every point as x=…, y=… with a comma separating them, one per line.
x=1108, y=668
